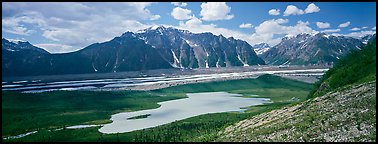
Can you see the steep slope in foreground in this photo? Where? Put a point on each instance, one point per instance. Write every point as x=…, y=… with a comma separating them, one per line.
x=342, y=107
x=348, y=115
x=357, y=67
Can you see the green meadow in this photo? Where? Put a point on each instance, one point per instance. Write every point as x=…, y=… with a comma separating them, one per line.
x=47, y=111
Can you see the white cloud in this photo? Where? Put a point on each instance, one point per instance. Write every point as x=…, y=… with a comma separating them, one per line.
x=247, y=25
x=293, y=10
x=212, y=11
x=195, y=25
x=56, y=48
x=75, y=24
x=373, y=28
x=359, y=34
x=182, y=4
x=312, y=8
x=343, y=25
x=19, y=30
x=15, y=25
x=194, y=22
x=181, y=13
x=271, y=26
x=331, y=30
x=365, y=27
x=323, y=25
x=274, y=12
x=355, y=29
x=266, y=31
x=155, y=17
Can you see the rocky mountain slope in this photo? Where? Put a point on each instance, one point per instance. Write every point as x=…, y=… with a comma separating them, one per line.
x=184, y=49
x=307, y=49
x=124, y=53
x=342, y=107
x=261, y=48
x=21, y=57
x=345, y=115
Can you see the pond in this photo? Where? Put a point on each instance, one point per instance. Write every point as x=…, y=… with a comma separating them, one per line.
x=170, y=111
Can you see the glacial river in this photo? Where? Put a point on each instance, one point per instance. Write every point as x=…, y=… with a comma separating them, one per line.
x=41, y=86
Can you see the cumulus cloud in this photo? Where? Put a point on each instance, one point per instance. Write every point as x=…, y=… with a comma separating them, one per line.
x=196, y=25
x=323, y=25
x=365, y=27
x=274, y=12
x=266, y=31
x=331, y=30
x=245, y=25
x=212, y=11
x=194, y=22
x=182, y=4
x=293, y=10
x=355, y=29
x=373, y=28
x=343, y=25
x=312, y=8
x=181, y=13
x=359, y=34
x=75, y=24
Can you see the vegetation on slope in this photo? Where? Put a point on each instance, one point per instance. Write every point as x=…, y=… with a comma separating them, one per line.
x=348, y=115
x=342, y=107
x=356, y=67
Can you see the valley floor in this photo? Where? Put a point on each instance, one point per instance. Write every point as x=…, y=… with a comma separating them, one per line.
x=48, y=111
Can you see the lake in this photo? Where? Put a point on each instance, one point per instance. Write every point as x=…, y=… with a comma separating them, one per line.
x=170, y=111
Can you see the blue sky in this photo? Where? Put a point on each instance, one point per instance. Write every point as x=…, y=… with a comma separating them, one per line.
x=64, y=27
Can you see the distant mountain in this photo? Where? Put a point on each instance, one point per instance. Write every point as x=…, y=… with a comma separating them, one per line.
x=306, y=49
x=261, y=48
x=125, y=53
x=368, y=38
x=184, y=49
x=152, y=48
x=22, y=58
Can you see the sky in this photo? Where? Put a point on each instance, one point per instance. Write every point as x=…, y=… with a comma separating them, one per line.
x=61, y=27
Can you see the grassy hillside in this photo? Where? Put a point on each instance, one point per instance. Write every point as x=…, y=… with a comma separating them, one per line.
x=348, y=115
x=341, y=107
x=356, y=67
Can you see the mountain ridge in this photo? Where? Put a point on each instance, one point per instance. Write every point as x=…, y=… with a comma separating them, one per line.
x=151, y=48
x=306, y=49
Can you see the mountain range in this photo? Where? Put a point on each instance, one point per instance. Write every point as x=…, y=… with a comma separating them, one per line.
x=315, y=49
x=162, y=47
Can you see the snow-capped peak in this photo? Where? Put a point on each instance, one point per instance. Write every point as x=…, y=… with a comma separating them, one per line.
x=313, y=33
x=16, y=41
x=154, y=27
x=261, y=48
